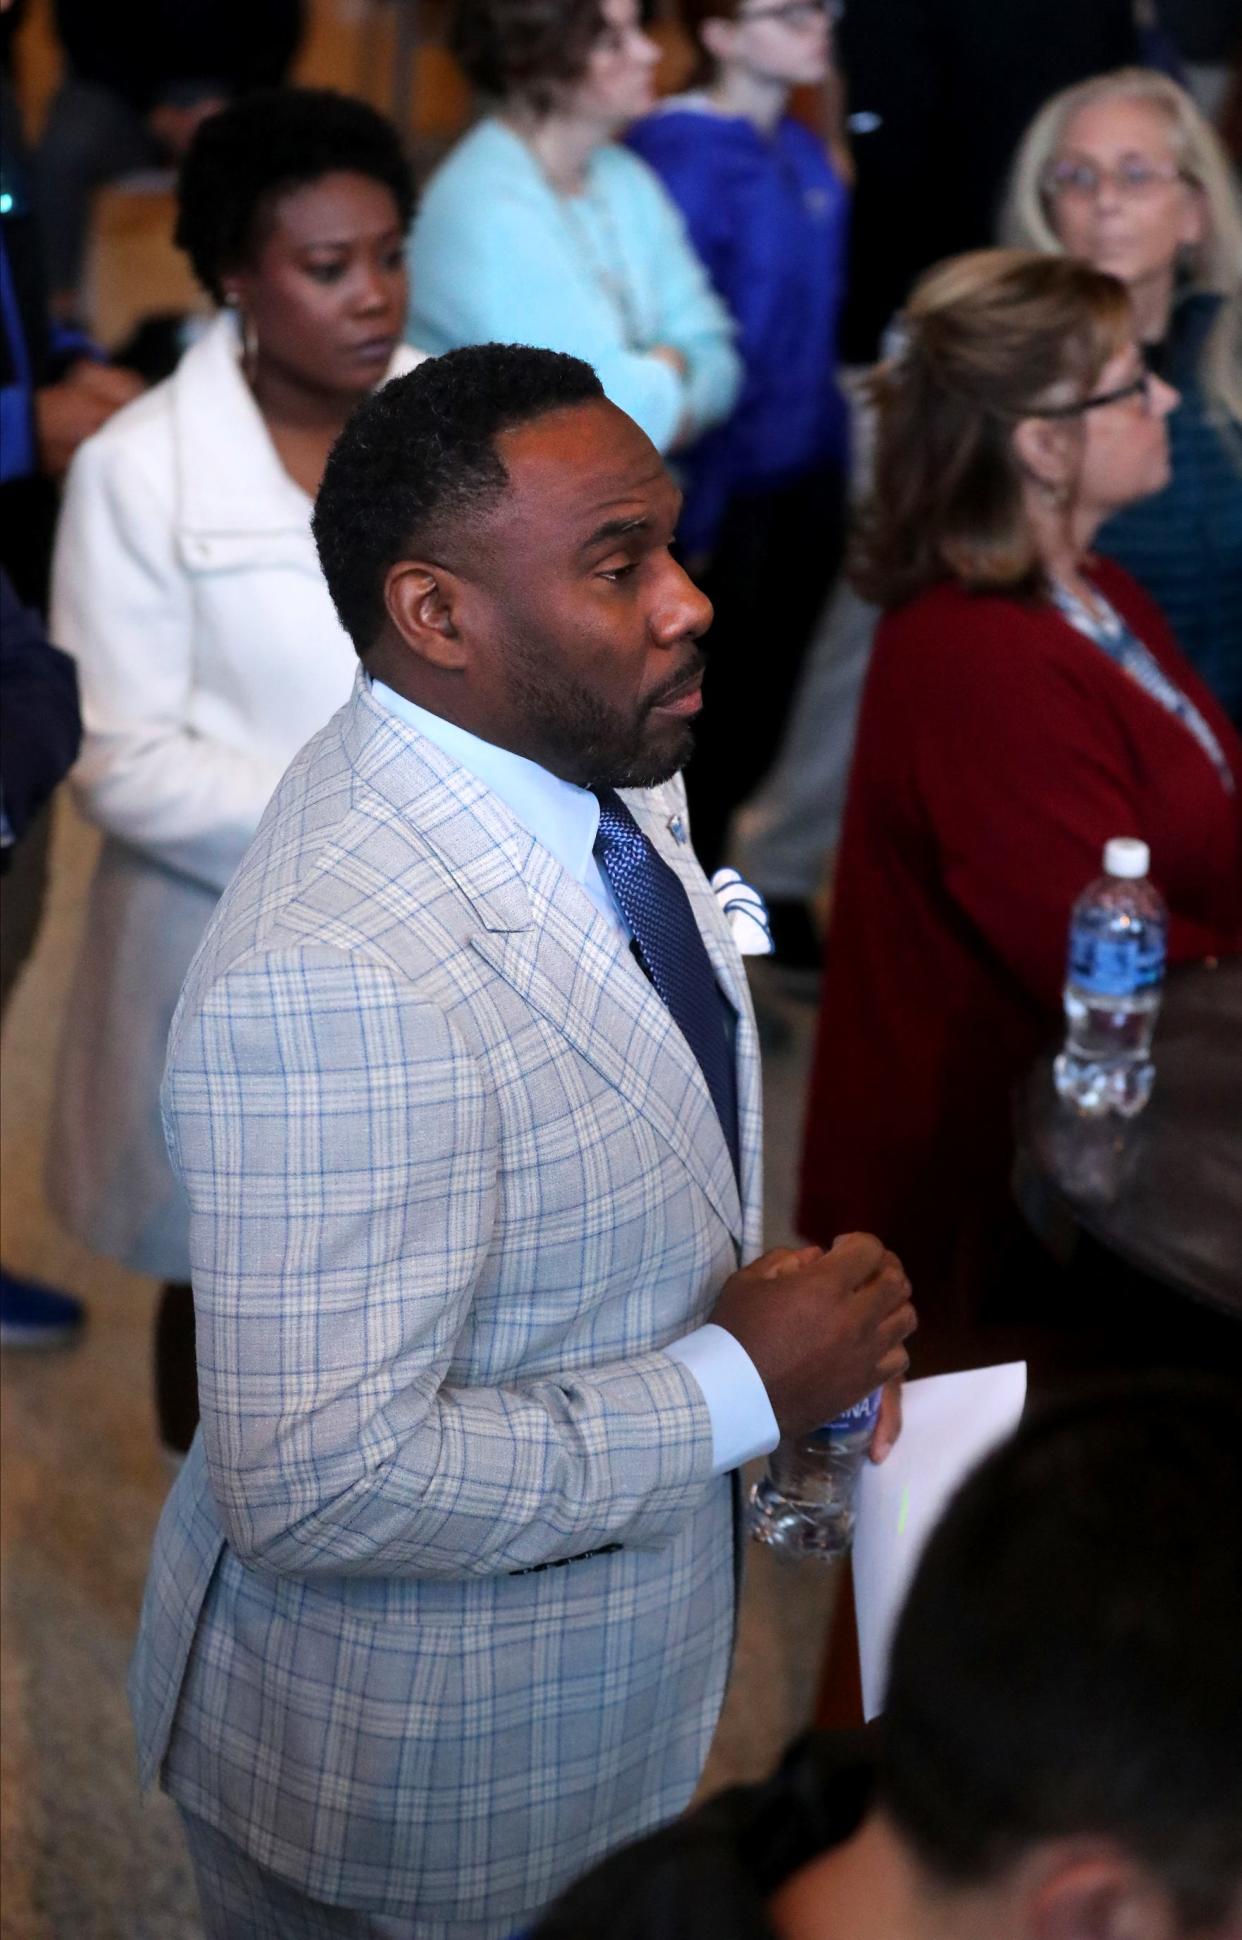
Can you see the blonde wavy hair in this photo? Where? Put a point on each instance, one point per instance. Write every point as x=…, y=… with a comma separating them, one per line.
x=1215, y=265
x=987, y=338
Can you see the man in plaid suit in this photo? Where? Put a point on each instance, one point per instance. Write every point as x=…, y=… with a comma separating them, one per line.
x=441, y=1604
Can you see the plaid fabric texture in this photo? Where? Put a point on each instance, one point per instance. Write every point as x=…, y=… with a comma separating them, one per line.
x=237, y=1897
x=455, y=1181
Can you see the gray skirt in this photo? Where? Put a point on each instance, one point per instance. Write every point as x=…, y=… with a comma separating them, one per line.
x=108, y=1177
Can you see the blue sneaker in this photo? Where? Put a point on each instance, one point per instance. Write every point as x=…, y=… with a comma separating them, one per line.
x=34, y=1316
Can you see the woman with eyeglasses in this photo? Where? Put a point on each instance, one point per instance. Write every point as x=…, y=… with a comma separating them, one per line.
x=767, y=211
x=539, y=228
x=1025, y=702
x=1125, y=173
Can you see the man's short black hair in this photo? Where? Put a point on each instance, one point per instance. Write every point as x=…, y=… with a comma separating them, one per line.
x=421, y=453
x=262, y=147
x=1069, y=1660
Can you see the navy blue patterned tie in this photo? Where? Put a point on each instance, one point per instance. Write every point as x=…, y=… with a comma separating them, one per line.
x=651, y=898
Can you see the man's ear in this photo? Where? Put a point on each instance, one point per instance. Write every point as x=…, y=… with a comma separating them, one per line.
x=1094, y=1891
x=423, y=603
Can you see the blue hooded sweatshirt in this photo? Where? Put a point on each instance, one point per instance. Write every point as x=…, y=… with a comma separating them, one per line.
x=767, y=214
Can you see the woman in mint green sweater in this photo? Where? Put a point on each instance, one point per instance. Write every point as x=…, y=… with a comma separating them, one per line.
x=539, y=229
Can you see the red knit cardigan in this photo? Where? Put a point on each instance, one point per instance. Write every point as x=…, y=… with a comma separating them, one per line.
x=998, y=749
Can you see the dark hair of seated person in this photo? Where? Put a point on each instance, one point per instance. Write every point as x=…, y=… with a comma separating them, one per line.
x=708, y=1876
x=1068, y=1660
x=523, y=49
x=417, y=462
x=1066, y=1665
x=250, y=155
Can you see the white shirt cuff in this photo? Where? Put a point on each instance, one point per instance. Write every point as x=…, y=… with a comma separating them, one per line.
x=743, y=1424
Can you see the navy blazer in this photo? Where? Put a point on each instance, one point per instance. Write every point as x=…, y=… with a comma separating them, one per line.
x=39, y=724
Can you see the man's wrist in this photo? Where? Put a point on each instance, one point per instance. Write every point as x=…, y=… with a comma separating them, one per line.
x=743, y=1423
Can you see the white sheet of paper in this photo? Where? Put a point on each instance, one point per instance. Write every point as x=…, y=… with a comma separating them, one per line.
x=949, y=1422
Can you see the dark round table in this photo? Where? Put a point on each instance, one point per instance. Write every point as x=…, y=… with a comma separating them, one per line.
x=1162, y=1192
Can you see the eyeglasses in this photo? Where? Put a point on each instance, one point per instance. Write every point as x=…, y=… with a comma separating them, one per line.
x=1138, y=386
x=1135, y=177
x=797, y=13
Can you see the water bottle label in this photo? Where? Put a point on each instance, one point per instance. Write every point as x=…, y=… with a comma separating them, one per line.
x=1116, y=966
x=862, y=1415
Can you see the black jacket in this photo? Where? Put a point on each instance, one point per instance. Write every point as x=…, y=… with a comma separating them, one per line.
x=39, y=724
x=940, y=93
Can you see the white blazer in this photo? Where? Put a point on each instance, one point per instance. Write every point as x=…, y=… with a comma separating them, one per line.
x=187, y=588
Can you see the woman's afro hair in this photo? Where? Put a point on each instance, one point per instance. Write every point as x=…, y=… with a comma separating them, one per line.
x=263, y=146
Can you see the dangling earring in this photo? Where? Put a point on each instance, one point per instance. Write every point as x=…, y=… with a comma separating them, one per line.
x=248, y=334
x=250, y=346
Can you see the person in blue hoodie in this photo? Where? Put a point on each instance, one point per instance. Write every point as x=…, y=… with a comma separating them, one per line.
x=767, y=211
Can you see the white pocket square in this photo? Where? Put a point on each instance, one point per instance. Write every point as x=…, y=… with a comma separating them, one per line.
x=746, y=913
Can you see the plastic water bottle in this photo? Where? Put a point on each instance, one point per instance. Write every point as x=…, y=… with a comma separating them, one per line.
x=1113, y=984
x=804, y=1505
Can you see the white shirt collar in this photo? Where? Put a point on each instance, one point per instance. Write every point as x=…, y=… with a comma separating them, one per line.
x=560, y=815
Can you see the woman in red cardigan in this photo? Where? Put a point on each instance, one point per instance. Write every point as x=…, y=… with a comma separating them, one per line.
x=1026, y=701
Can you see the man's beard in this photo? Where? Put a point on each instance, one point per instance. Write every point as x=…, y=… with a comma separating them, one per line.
x=581, y=736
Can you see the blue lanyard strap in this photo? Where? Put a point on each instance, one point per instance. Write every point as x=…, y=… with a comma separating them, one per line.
x=1111, y=634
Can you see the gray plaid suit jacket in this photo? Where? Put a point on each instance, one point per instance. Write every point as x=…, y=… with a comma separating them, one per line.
x=455, y=1181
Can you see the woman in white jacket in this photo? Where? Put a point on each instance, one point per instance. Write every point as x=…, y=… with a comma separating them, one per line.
x=187, y=587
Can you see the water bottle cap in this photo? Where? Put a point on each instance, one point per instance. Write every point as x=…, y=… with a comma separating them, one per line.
x=1127, y=857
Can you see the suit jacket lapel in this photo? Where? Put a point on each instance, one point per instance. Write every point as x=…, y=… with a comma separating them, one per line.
x=656, y=810
x=651, y=809
x=535, y=920
x=611, y=1015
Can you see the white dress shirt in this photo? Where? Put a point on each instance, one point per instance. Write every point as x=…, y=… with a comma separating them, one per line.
x=565, y=820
